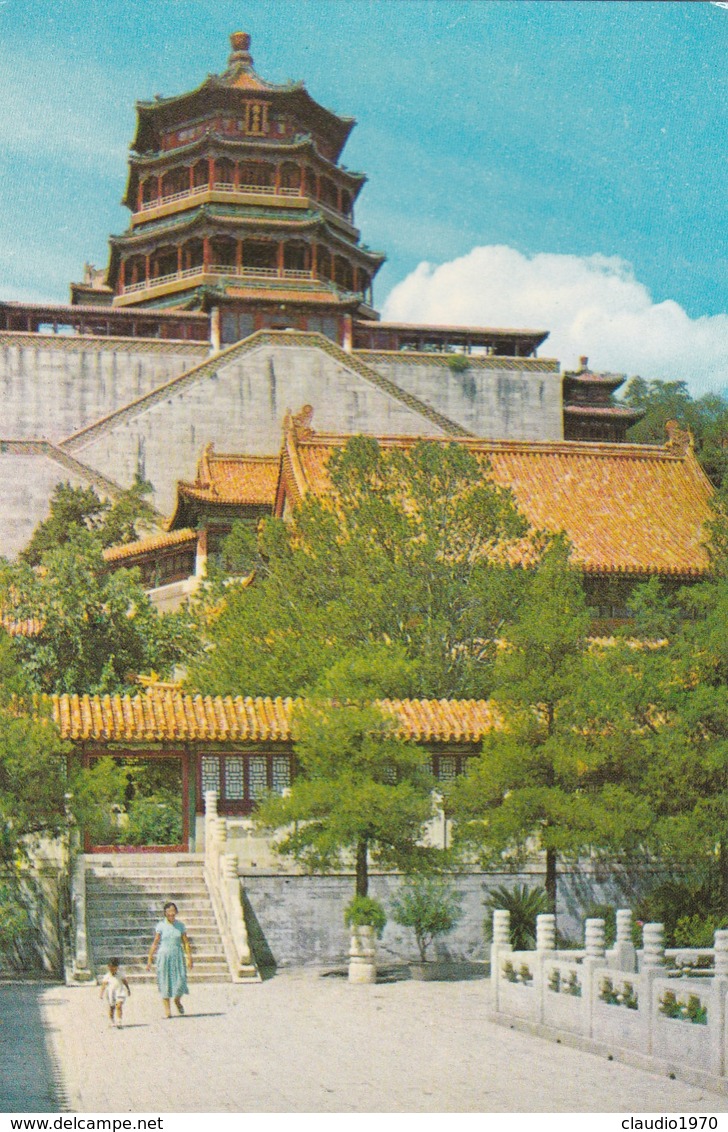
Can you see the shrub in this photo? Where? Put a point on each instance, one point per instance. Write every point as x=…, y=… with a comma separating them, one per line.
x=363, y=911
x=155, y=820
x=675, y=902
x=458, y=363
x=697, y=930
x=524, y=905
x=430, y=907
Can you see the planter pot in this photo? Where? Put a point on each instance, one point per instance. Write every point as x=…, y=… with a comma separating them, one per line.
x=363, y=955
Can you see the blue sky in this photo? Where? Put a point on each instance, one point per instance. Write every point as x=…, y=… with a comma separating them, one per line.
x=521, y=155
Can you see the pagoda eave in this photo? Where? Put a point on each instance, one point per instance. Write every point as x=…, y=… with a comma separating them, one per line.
x=616, y=412
x=155, y=117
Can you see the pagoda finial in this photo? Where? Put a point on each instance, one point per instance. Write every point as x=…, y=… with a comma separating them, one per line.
x=240, y=43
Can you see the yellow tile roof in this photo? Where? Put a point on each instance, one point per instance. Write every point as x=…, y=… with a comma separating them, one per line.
x=231, y=478
x=154, y=542
x=173, y=717
x=627, y=508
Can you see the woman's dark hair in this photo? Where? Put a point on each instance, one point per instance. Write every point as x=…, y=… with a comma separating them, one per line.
x=170, y=904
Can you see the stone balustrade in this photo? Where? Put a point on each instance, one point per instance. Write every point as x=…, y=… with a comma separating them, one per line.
x=655, y=1003
x=221, y=877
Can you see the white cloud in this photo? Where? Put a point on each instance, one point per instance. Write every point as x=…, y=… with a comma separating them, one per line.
x=592, y=305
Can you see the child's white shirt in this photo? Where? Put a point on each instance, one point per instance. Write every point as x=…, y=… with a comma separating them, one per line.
x=114, y=987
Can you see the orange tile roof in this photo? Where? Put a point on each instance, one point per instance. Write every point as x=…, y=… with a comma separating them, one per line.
x=154, y=542
x=627, y=508
x=227, y=478
x=173, y=717
x=25, y=627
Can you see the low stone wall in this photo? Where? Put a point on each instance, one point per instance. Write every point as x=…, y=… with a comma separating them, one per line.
x=40, y=951
x=299, y=919
x=666, y=1009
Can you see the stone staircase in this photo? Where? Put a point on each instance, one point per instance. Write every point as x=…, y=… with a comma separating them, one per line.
x=125, y=894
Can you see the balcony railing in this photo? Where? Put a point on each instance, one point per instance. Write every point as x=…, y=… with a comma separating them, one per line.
x=230, y=271
x=218, y=187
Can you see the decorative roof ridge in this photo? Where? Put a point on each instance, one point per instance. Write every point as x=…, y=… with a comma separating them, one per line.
x=667, y=451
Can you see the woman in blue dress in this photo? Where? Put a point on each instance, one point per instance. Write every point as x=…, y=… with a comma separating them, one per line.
x=172, y=947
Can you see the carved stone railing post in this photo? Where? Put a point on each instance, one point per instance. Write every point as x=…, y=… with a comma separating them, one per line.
x=623, y=956
x=594, y=939
x=501, y=941
x=651, y=968
x=592, y=965
x=546, y=932
x=501, y=932
x=653, y=942
x=720, y=942
x=81, y=969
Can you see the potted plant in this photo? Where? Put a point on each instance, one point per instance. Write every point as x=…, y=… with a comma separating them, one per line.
x=366, y=919
x=430, y=907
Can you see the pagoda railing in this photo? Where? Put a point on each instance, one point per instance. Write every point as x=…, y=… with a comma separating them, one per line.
x=228, y=270
x=218, y=187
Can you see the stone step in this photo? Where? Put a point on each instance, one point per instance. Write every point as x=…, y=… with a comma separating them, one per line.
x=154, y=883
x=147, y=923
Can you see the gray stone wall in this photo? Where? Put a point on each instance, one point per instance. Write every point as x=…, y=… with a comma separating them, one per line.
x=298, y=920
x=511, y=404
x=26, y=485
x=51, y=388
x=149, y=408
x=240, y=406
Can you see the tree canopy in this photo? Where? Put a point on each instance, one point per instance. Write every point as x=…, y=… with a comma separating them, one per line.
x=410, y=547
x=361, y=793
x=95, y=628
x=559, y=774
x=706, y=417
x=74, y=509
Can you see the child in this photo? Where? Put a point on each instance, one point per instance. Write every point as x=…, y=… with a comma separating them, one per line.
x=116, y=988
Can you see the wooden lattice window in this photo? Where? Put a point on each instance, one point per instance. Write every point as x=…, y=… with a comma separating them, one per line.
x=241, y=780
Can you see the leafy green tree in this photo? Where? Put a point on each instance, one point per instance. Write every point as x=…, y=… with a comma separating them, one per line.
x=687, y=784
x=706, y=417
x=362, y=793
x=74, y=509
x=97, y=628
x=411, y=546
x=559, y=774
x=32, y=766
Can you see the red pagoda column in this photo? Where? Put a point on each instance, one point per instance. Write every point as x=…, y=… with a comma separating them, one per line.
x=205, y=253
x=281, y=257
x=314, y=260
x=122, y=266
x=239, y=257
x=211, y=172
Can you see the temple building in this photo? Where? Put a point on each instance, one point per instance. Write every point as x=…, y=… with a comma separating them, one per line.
x=630, y=511
x=241, y=289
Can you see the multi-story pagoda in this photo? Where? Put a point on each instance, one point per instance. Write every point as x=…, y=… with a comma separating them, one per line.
x=239, y=204
x=590, y=411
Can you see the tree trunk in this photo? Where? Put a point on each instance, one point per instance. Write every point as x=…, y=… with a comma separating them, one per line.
x=362, y=867
x=551, y=879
